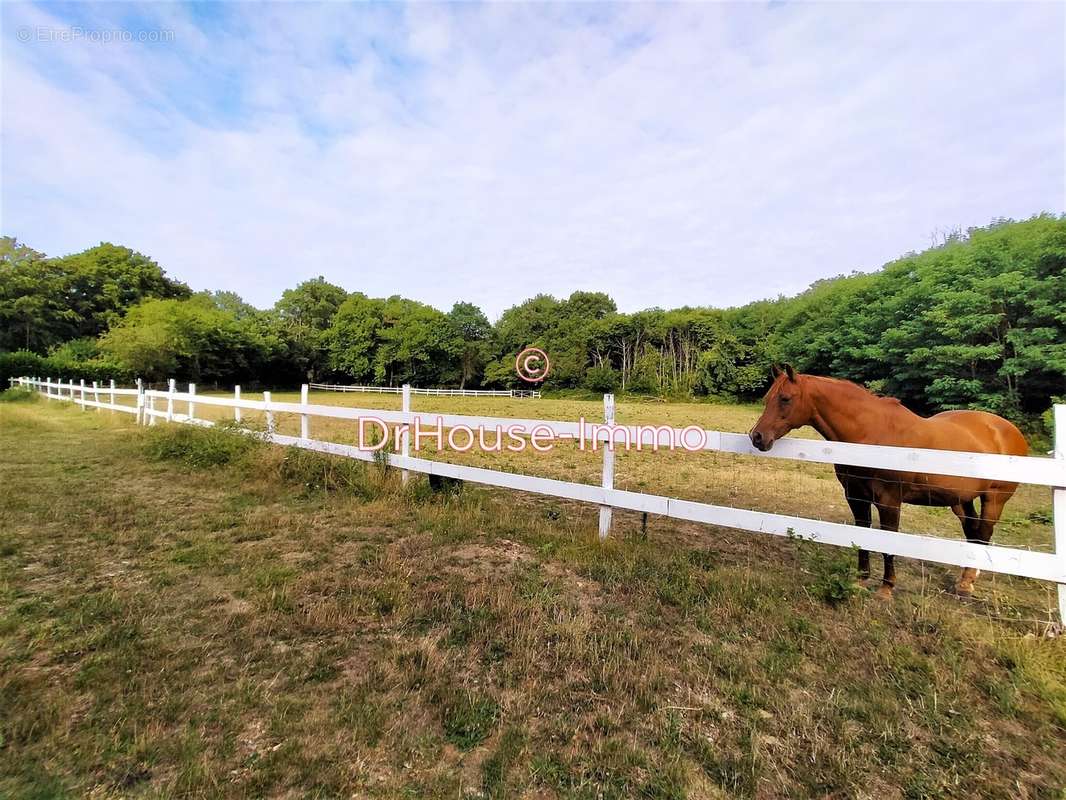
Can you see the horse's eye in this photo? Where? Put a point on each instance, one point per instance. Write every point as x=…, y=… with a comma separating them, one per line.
x=786, y=399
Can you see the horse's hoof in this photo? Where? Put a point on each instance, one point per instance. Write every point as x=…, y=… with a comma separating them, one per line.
x=964, y=589
x=883, y=592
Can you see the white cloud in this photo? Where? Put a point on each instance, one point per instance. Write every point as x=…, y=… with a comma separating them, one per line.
x=693, y=154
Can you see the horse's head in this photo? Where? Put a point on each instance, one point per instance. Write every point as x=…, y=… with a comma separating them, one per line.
x=788, y=407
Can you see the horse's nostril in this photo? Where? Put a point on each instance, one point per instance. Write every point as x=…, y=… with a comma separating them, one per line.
x=756, y=438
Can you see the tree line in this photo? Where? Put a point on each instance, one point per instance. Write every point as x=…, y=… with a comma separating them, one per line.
x=977, y=321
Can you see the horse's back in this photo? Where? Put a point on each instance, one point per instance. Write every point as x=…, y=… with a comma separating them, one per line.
x=976, y=432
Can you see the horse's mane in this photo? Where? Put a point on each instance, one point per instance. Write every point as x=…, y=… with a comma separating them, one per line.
x=859, y=388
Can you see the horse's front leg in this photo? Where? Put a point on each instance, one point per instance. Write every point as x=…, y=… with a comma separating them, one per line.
x=888, y=512
x=863, y=513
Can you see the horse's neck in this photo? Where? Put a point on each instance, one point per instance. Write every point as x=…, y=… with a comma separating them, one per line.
x=849, y=414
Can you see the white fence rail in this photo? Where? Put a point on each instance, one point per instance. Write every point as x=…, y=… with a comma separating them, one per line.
x=996, y=558
x=333, y=387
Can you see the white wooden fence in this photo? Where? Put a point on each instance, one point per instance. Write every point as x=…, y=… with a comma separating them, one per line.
x=333, y=387
x=996, y=558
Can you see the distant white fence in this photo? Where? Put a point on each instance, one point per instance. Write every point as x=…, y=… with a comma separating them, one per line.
x=996, y=558
x=332, y=387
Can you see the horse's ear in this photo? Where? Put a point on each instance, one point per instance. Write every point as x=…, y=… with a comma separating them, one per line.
x=790, y=372
x=775, y=371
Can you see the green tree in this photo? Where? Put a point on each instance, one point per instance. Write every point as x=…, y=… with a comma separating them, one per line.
x=104, y=281
x=566, y=330
x=417, y=344
x=352, y=338
x=307, y=312
x=191, y=339
x=47, y=301
x=473, y=330
x=311, y=304
x=394, y=341
x=34, y=314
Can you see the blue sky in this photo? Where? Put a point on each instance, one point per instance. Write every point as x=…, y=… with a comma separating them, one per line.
x=700, y=154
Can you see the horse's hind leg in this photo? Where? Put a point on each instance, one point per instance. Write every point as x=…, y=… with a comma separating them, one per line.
x=863, y=513
x=971, y=523
x=888, y=511
x=992, y=502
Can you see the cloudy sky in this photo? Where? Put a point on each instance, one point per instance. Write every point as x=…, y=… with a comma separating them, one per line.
x=700, y=154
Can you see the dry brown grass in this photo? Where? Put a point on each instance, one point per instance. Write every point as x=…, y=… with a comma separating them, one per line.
x=240, y=631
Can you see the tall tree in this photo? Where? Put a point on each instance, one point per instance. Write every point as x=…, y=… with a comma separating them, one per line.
x=307, y=311
x=473, y=330
x=311, y=304
x=353, y=337
x=192, y=339
x=33, y=310
x=44, y=302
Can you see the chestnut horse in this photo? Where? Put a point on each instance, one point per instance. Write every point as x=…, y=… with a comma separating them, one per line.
x=843, y=412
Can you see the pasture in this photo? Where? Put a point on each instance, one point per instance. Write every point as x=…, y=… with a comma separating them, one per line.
x=185, y=616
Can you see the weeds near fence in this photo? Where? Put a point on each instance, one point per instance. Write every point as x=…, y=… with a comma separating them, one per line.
x=317, y=472
x=219, y=445
x=834, y=576
x=231, y=444
x=18, y=395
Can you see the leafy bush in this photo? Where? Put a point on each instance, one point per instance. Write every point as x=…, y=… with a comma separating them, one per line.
x=319, y=472
x=601, y=379
x=18, y=394
x=835, y=576
x=19, y=364
x=61, y=366
x=200, y=447
x=76, y=350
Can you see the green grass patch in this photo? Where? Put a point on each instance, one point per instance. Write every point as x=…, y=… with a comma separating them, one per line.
x=18, y=394
x=199, y=447
x=319, y=472
x=833, y=571
x=468, y=717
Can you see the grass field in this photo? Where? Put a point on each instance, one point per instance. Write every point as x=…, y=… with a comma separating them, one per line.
x=185, y=613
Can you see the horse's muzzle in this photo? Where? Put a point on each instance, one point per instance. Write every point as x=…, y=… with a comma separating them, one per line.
x=760, y=442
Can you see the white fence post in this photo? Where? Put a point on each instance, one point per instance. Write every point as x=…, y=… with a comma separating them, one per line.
x=140, y=402
x=237, y=409
x=1058, y=503
x=96, y=394
x=269, y=413
x=112, y=391
x=151, y=408
x=83, y=394
x=608, y=465
x=171, y=386
x=405, y=436
x=305, y=421
x=192, y=404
